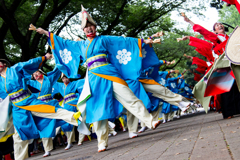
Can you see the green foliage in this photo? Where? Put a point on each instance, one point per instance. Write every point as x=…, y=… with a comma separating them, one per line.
x=132, y=18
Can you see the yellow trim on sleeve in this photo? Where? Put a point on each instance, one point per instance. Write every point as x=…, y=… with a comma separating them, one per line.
x=112, y=78
x=43, y=59
x=149, y=81
x=52, y=40
x=140, y=47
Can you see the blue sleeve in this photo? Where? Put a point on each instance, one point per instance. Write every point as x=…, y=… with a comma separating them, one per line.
x=161, y=62
x=30, y=66
x=57, y=88
x=67, y=54
x=54, y=75
x=79, y=85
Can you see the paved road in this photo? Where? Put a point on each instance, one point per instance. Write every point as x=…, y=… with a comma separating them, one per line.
x=193, y=137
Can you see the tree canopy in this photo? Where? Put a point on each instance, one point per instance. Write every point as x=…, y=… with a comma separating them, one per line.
x=131, y=18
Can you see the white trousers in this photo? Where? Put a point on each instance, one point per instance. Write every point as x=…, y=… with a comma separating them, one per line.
x=178, y=112
x=70, y=136
x=110, y=130
x=63, y=114
x=169, y=116
x=133, y=105
x=47, y=144
x=127, y=98
x=165, y=94
x=81, y=138
x=101, y=130
x=155, y=115
x=21, y=147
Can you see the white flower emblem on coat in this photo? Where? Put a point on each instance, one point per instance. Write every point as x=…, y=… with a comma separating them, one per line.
x=144, y=53
x=186, y=88
x=162, y=81
x=123, y=56
x=173, y=85
x=65, y=55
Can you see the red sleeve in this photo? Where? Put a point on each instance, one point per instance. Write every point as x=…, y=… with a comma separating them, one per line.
x=206, y=34
x=202, y=47
x=220, y=48
x=230, y=1
x=197, y=77
x=199, y=62
x=201, y=70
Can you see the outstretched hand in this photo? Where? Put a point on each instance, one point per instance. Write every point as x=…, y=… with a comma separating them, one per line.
x=49, y=56
x=42, y=31
x=185, y=38
x=148, y=41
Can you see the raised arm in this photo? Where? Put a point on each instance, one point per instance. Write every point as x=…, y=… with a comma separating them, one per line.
x=31, y=65
x=54, y=75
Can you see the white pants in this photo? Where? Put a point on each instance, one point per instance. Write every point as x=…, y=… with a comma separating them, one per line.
x=63, y=114
x=127, y=98
x=101, y=130
x=81, y=138
x=178, y=112
x=47, y=144
x=133, y=105
x=155, y=115
x=70, y=136
x=165, y=94
x=169, y=116
x=21, y=147
x=110, y=130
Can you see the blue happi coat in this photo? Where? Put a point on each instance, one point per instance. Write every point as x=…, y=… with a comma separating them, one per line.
x=124, y=62
x=47, y=127
x=70, y=104
x=14, y=83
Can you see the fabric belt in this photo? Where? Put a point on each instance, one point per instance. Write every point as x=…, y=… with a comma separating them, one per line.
x=46, y=98
x=20, y=95
x=69, y=97
x=97, y=61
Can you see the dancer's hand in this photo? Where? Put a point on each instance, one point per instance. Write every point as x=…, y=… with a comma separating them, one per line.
x=185, y=38
x=168, y=63
x=48, y=56
x=42, y=31
x=158, y=34
x=148, y=41
x=188, y=20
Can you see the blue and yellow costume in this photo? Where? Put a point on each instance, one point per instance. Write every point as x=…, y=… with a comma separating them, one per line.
x=69, y=92
x=14, y=84
x=46, y=126
x=124, y=54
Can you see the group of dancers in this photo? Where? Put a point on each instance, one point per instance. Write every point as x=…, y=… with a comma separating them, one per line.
x=122, y=74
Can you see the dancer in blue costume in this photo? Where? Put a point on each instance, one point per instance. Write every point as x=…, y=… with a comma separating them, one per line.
x=25, y=104
x=102, y=55
x=69, y=90
x=155, y=107
x=173, y=84
x=47, y=127
x=150, y=64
